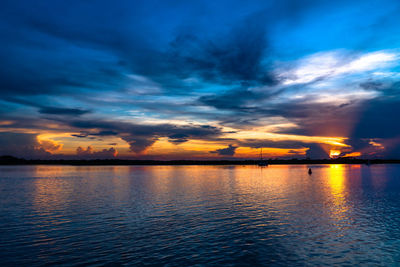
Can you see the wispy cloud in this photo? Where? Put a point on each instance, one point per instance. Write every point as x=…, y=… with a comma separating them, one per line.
x=330, y=65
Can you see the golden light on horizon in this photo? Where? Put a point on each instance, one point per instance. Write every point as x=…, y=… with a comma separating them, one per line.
x=334, y=153
x=353, y=154
x=66, y=143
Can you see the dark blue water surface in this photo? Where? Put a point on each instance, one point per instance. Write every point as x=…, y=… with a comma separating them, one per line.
x=204, y=215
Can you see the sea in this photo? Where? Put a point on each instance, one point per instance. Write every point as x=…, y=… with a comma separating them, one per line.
x=279, y=215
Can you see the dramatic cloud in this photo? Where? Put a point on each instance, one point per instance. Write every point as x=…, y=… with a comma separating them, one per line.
x=190, y=77
x=229, y=151
x=138, y=144
x=90, y=153
x=140, y=137
x=235, y=57
x=49, y=145
x=26, y=145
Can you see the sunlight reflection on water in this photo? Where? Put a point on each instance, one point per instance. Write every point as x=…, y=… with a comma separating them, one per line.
x=184, y=215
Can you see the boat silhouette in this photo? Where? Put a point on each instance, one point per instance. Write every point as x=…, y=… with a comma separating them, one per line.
x=262, y=162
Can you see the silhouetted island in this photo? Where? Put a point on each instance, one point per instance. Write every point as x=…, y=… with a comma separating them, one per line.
x=10, y=160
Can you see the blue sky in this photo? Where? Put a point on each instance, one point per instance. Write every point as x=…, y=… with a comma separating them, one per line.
x=199, y=79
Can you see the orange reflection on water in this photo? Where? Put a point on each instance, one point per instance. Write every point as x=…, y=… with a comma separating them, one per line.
x=49, y=191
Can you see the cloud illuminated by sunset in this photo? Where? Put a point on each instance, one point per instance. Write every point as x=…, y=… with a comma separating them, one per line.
x=190, y=80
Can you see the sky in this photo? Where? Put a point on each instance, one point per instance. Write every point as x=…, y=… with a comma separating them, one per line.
x=200, y=79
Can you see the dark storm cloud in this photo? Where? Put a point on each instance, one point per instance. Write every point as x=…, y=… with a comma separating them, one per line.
x=90, y=47
x=141, y=137
x=228, y=151
x=53, y=50
x=88, y=44
x=143, y=129
x=232, y=58
x=22, y=145
x=231, y=55
x=138, y=144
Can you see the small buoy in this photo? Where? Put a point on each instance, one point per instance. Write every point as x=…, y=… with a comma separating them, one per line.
x=309, y=171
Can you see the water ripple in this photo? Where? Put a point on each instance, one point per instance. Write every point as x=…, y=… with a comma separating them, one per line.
x=199, y=215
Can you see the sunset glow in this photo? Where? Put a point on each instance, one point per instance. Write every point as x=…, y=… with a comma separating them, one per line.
x=199, y=133
x=193, y=81
x=334, y=153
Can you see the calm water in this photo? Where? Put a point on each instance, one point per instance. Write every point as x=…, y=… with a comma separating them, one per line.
x=205, y=215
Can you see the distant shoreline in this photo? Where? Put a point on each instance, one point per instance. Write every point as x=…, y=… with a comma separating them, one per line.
x=8, y=160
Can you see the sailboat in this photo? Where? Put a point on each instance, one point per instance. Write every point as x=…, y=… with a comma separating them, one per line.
x=262, y=162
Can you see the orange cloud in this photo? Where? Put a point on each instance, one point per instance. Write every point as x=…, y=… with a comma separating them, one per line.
x=352, y=154
x=50, y=145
